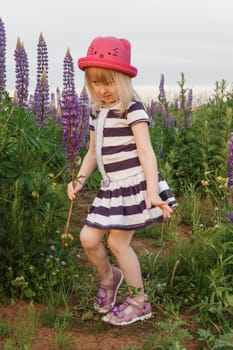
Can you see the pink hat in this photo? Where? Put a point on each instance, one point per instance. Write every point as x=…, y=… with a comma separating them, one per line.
x=109, y=52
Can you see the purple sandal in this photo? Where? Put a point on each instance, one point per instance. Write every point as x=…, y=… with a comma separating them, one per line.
x=119, y=316
x=106, y=296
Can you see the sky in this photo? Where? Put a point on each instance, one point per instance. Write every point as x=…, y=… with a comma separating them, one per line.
x=167, y=37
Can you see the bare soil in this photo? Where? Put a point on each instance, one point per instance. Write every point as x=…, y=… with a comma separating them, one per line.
x=96, y=335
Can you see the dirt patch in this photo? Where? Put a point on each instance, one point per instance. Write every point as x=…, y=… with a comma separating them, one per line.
x=96, y=335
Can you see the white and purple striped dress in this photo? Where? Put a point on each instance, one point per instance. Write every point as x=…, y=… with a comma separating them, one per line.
x=120, y=202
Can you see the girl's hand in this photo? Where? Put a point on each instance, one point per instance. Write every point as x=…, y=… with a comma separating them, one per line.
x=73, y=188
x=157, y=202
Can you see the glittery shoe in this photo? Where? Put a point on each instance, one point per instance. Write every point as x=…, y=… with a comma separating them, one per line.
x=131, y=311
x=106, y=296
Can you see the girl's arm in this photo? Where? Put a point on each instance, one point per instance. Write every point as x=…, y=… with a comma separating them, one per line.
x=87, y=167
x=149, y=164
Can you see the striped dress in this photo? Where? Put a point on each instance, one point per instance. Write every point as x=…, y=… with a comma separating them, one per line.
x=120, y=202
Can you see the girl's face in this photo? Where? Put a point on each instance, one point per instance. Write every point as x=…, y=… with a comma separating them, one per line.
x=106, y=92
x=102, y=85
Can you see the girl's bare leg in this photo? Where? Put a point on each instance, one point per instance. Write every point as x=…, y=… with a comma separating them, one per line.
x=92, y=242
x=119, y=244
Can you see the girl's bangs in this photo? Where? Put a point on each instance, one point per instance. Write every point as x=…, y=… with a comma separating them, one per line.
x=105, y=76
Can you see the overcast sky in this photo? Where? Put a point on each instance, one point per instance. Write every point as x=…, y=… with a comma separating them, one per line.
x=167, y=36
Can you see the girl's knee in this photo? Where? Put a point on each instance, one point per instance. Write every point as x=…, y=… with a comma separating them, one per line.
x=89, y=238
x=119, y=241
x=85, y=238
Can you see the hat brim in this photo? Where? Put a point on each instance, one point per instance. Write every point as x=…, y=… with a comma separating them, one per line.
x=85, y=62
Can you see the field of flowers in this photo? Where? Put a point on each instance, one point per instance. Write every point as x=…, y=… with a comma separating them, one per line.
x=43, y=137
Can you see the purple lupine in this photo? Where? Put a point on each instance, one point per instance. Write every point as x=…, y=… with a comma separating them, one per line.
x=42, y=57
x=41, y=95
x=164, y=118
x=41, y=99
x=230, y=163
x=31, y=101
x=2, y=58
x=171, y=121
x=163, y=101
x=162, y=95
x=75, y=120
x=230, y=177
x=84, y=112
x=152, y=113
x=70, y=114
x=158, y=108
x=176, y=105
x=230, y=216
x=22, y=73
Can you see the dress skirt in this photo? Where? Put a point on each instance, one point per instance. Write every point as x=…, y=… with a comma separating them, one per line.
x=121, y=205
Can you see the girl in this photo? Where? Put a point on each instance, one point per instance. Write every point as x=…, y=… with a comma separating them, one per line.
x=132, y=193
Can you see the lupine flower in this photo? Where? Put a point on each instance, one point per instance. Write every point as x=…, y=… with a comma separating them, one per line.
x=162, y=95
x=70, y=114
x=31, y=101
x=161, y=152
x=2, y=58
x=163, y=101
x=41, y=99
x=230, y=178
x=230, y=216
x=164, y=118
x=84, y=112
x=75, y=121
x=152, y=113
x=230, y=163
x=42, y=57
x=41, y=96
x=22, y=73
x=158, y=108
x=171, y=121
x=176, y=105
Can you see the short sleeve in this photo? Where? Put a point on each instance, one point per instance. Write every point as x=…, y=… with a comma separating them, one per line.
x=136, y=113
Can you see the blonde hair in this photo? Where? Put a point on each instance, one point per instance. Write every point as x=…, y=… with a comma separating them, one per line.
x=122, y=82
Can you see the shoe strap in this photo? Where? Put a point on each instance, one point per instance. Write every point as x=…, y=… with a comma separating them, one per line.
x=138, y=304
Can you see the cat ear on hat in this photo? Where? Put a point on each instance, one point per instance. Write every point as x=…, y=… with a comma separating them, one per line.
x=125, y=42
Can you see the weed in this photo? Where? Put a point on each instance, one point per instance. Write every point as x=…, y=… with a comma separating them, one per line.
x=215, y=342
x=5, y=330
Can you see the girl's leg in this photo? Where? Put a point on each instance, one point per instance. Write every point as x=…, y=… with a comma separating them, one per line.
x=119, y=244
x=135, y=307
x=111, y=277
x=92, y=242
